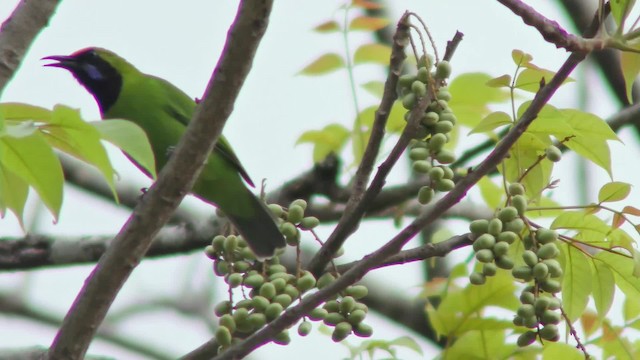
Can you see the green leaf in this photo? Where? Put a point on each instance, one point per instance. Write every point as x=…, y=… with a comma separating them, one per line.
x=500, y=81
x=34, y=161
x=620, y=10
x=630, y=65
x=324, y=64
x=631, y=309
x=129, y=138
x=603, y=288
x=520, y=58
x=327, y=27
x=330, y=139
x=13, y=193
x=372, y=53
x=554, y=351
x=589, y=227
x=24, y=112
x=622, y=268
x=480, y=345
x=375, y=88
x=368, y=23
x=470, y=97
x=614, y=191
x=547, y=202
x=531, y=79
x=492, y=121
x=523, y=155
x=491, y=193
x=576, y=284
x=407, y=342
x=396, y=122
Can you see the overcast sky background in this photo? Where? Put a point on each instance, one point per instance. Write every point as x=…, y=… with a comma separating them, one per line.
x=181, y=42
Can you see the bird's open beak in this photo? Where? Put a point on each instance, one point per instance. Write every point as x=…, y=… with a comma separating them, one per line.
x=63, y=61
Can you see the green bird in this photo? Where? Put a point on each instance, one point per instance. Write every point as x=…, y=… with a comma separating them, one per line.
x=163, y=111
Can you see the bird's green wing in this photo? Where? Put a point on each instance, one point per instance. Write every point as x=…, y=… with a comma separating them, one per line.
x=181, y=108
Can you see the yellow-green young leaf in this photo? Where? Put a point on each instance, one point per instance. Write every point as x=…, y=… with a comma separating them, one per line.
x=491, y=122
x=368, y=23
x=530, y=79
x=13, y=193
x=407, y=342
x=614, y=191
x=576, y=283
x=619, y=238
x=480, y=345
x=24, y=112
x=622, y=268
x=327, y=27
x=375, y=88
x=550, y=121
x=491, y=193
x=630, y=65
x=436, y=320
x=396, y=123
x=520, y=58
x=590, y=228
x=34, y=161
x=372, y=53
x=614, y=344
x=631, y=309
x=129, y=138
x=470, y=97
x=69, y=133
x=544, y=202
x=500, y=81
x=603, y=288
x=330, y=139
x=523, y=155
x=558, y=350
x=636, y=262
x=620, y=10
x=324, y=64
x=20, y=129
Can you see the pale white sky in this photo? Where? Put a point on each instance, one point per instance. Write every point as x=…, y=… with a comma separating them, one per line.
x=180, y=41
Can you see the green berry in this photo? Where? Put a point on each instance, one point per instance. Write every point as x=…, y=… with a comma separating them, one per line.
x=555, y=270
x=325, y=279
x=227, y=321
x=356, y=317
x=436, y=173
x=318, y=314
x=282, y=338
x=445, y=185
x=283, y=299
x=443, y=69
x=332, y=306
x=292, y=291
x=484, y=241
x=357, y=291
x=304, y=328
x=541, y=304
x=267, y=290
x=223, y=336
x=260, y=303
x=477, y=278
x=223, y=307
x=550, y=317
x=273, y=311
x=550, y=286
x=409, y=101
x=306, y=282
x=545, y=236
x=553, y=153
x=522, y=272
x=445, y=157
x=288, y=230
x=240, y=316
x=520, y=203
x=425, y=195
x=489, y=269
x=363, y=330
x=347, y=304
x=234, y=279
x=527, y=338
x=443, y=127
x=254, y=281
x=504, y=262
x=448, y=173
x=500, y=249
x=221, y=268
x=443, y=94
x=210, y=252
x=430, y=118
x=341, y=331
x=423, y=73
x=418, y=153
x=436, y=142
x=548, y=251
x=530, y=258
x=333, y=318
x=448, y=116
x=406, y=80
x=531, y=322
x=518, y=321
x=549, y=332
x=422, y=166
x=230, y=243
x=295, y=214
x=419, y=88
x=540, y=271
x=555, y=303
x=479, y=227
x=276, y=210
x=495, y=227
x=507, y=214
x=526, y=310
x=508, y=237
x=218, y=242
x=309, y=222
x=257, y=320
x=527, y=297
x=515, y=189
x=515, y=225
x=484, y=255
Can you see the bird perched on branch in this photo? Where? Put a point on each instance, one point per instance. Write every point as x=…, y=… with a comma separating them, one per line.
x=163, y=111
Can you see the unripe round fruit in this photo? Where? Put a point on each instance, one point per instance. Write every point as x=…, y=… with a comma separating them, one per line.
x=325, y=280
x=210, y=252
x=479, y=227
x=545, y=236
x=296, y=213
x=254, y=281
x=445, y=185
x=484, y=255
x=218, y=242
x=422, y=166
x=553, y=153
x=223, y=307
x=299, y=202
x=227, y=321
x=304, y=328
x=443, y=127
x=418, y=154
x=223, y=336
x=357, y=291
x=531, y=322
x=234, y=280
x=540, y=271
x=221, y=268
x=288, y=230
x=309, y=223
x=406, y=80
x=425, y=195
x=333, y=318
x=527, y=297
x=522, y=272
x=436, y=173
x=508, y=213
x=504, y=262
x=276, y=268
x=495, y=227
x=409, y=101
x=443, y=69
x=276, y=210
x=541, y=304
x=527, y=241
x=520, y=203
x=448, y=173
x=293, y=291
x=555, y=270
x=419, y=88
x=244, y=304
x=341, y=331
x=423, y=73
x=530, y=258
x=430, y=118
x=443, y=95
x=484, y=241
x=500, y=249
x=363, y=330
x=240, y=315
x=548, y=251
x=448, y=116
x=518, y=321
x=550, y=317
x=508, y=237
x=549, y=332
x=279, y=283
x=361, y=306
x=526, y=310
x=550, y=286
x=332, y=306
x=267, y=290
x=347, y=304
x=489, y=269
x=273, y=311
x=515, y=189
x=282, y=338
x=306, y=282
x=356, y=317
x=230, y=243
x=515, y=225
x=477, y=278
x=260, y=303
x=283, y=299
x=526, y=338
x=318, y=314
x=436, y=142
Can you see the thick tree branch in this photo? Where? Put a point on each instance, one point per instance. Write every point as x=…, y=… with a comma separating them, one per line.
x=174, y=182
x=18, y=32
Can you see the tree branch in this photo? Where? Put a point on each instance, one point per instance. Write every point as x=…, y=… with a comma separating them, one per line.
x=18, y=32
x=174, y=182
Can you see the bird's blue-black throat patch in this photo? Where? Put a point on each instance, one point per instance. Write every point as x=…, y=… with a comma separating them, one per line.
x=97, y=75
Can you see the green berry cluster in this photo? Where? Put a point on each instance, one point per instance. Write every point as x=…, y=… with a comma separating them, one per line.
x=428, y=153
x=268, y=288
